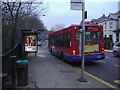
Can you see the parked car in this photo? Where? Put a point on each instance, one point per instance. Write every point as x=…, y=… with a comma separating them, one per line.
x=116, y=49
x=39, y=43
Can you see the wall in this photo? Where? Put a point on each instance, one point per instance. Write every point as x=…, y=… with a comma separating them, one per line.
x=114, y=39
x=119, y=6
x=119, y=22
x=109, y=31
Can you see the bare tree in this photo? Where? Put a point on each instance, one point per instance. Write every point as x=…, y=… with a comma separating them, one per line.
x=30, y=22
x=13, y=12
x=57, y=27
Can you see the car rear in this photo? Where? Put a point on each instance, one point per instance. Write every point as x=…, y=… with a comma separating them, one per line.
x=116, y=49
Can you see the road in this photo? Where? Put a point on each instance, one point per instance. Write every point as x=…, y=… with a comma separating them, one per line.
x=107, y=69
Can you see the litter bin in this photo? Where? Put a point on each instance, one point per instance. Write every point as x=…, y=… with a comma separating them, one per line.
x=22, y=72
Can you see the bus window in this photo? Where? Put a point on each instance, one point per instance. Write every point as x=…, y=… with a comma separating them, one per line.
x=65, y=39
x=92, y=36
x=95, y=35
x=77, y=37
x=87, y=36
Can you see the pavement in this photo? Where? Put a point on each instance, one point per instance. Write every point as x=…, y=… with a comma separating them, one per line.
x=47, y=71
x=109, y=51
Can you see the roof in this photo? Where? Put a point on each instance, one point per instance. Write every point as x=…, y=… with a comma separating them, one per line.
x=114, y=15
x=101, y=19
x=118, y=30
x=32, y=31
x=86, y=22
x=95, y=21
x=110, y=19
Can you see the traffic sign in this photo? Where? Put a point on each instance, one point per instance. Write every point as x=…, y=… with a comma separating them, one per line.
x=76, y=4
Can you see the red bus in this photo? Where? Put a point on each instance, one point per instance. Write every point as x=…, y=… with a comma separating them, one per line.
x=65, y=43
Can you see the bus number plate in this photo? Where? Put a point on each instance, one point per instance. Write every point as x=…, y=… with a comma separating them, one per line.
x=99, y=56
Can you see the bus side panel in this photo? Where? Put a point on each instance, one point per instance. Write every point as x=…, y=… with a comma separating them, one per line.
x=67, y=50
x=69, y=56
x=58, y=50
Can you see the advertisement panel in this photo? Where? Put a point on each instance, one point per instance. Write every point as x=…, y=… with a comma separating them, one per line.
x=30, y=43
x=92, y=48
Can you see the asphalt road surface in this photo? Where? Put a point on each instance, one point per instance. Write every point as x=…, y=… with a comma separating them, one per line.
x=107, y=69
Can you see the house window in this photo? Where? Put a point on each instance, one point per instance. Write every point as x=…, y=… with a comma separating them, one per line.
x=117, y=37
x=111, y=25
x=105, y=26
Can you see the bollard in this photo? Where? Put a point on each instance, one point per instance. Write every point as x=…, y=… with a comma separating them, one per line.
x=13, y=71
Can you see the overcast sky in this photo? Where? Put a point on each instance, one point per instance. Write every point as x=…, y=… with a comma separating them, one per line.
x=59, y=11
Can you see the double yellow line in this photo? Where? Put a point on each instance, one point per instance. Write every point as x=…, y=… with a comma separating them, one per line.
x=117, y=81
x=98, y=79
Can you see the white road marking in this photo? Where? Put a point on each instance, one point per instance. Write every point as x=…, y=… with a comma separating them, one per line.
x=107, y=57
x=41, y=56
x=101, y=61
x=40, y=51
x=116, y=65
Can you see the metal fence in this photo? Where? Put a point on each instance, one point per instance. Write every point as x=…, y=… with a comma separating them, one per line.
x=6, y=61
x=7, y=65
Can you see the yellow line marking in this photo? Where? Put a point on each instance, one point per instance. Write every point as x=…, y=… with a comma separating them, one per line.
x=116, y=65
x=117, y=81
x=96, y=78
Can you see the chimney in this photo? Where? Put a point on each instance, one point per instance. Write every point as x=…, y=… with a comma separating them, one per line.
x=103, y=15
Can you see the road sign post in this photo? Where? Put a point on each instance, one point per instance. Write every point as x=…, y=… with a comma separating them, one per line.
x=82, y=79
x=80, y=5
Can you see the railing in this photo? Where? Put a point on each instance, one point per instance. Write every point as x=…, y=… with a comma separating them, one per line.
x=7, y=64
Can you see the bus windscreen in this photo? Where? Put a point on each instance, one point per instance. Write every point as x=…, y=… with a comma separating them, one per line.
x=90, y=36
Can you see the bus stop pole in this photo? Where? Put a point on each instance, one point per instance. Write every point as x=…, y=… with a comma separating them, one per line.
x=82, y=42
